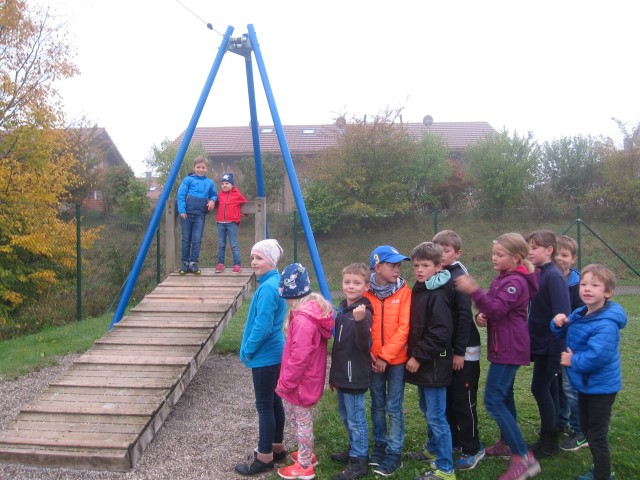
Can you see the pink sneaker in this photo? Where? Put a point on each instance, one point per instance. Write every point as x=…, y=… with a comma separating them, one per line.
x=314, y=460
x=521, y=468
x=500, y=449
x=237, y=268
x=296, y=472
x=219, y=267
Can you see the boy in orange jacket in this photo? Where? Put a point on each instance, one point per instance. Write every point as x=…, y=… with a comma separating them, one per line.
x=391, y=300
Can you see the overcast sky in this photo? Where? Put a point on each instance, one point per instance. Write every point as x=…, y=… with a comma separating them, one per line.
x=555, y=68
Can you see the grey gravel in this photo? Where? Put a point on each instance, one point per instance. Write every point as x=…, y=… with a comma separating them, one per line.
x=213, y=427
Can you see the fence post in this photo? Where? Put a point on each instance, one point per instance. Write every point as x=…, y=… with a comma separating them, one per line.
x=78, y=265
x=579, y=239
x=435, y=221
x=158, y=255
x=170, y=228
x=295, y=236
x=261, y=218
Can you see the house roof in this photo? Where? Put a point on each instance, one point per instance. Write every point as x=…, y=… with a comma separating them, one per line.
x=306, y=139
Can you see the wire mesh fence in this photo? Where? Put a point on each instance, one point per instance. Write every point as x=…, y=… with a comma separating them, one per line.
x=604, y=236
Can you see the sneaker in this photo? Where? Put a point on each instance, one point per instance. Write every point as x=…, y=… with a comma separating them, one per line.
x=219, y=267
x=341, y=457
x=356, y=468
x=391, y=462
x=589, y=475
x=279, y=457
x=184, y=268
x=253, y=466
x=237, y=269
x=296, y=471
x=500, y=449
x=469, y=462
x=521, y=468
x=314, y=460
x=437, y=475
x=378, y=455
x=574, y=442
x=193, y=268
x=423, y=455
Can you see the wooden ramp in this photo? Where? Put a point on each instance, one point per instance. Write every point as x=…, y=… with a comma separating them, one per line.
x=105, y=409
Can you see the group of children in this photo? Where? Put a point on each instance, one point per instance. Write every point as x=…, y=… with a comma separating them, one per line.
x=197, y=195
x=385, y=333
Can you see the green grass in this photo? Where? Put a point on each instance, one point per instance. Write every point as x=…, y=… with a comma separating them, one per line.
x=29, y=353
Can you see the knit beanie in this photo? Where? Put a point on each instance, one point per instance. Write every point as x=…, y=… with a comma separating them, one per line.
x=228, y=177
x=270, y=249
x=294, y=282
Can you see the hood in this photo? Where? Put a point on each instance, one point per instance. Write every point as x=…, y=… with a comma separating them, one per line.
x=610, y=311
x=574, y=277
x=530, y=277
x=313, y=311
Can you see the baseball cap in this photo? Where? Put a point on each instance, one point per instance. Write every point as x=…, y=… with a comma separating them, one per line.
x=386, y=253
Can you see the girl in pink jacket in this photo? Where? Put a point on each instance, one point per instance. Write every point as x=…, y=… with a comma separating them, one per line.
x=304, y=363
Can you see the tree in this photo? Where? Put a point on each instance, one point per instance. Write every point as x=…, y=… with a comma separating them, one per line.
x=427, y=171
x=571, y=167
x=124, y=192
x=37, y=167
x=503, y=168
x=163, y=156
x=272, y=174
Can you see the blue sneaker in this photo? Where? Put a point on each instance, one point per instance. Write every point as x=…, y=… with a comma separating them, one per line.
x=184, y=268
x=469, y=462
x=378, y=455
x=193, y=268
x=391, y=462
x=589, y=475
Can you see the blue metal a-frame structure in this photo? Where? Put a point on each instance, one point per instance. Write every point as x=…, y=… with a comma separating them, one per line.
x=246, y=45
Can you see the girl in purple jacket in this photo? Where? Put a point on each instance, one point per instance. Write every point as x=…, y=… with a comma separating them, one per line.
x=304, y=363
x=503, y=310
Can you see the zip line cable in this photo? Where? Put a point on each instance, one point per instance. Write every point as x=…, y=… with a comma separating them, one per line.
x=209, y=26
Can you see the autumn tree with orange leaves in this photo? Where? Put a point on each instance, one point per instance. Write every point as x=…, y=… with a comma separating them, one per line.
x=38, y=169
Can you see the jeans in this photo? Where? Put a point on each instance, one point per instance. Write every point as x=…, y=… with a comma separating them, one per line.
x=595, y=416
x=499, y=402
x=433, y=405
x=230, y=229
x=544, y=387
x=269, y=407
x=387, y=396
x=571, y=401
x=353, y=412
x=192, y=228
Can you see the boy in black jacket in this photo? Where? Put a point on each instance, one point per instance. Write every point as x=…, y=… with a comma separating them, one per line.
x=430, y=353
x=350, y=367
x=462, y=395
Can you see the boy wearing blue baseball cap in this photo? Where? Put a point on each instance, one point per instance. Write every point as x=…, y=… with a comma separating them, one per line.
x=391, y=300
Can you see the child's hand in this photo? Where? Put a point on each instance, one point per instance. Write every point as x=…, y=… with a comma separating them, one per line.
x=211, y=205
x=481, y=320
x=466, y=284
x=458, y=362
x=378, y=365
x=560, y=319
x=359, y=313
x=412, y=365
x=565, y=358
x=183, y=215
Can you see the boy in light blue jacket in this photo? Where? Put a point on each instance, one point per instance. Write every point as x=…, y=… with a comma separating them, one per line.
x=592, y=358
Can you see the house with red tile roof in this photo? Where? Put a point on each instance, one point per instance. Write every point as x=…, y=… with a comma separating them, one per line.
x=227, y=145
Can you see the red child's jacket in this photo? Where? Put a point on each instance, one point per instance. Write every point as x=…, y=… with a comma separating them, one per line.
x=229, y=205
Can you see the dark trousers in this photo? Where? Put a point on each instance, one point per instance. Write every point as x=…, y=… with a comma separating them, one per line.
x=462, y=398
x=269, y=407
x=595, y=416
x=544, y=387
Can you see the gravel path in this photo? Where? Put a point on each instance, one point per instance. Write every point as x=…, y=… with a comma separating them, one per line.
x=213, y=427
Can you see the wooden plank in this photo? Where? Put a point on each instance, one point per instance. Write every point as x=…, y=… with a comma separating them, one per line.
x=52, y=456
x=69, y=439
x=89, y=408
x=171, y=323
x=177, y=308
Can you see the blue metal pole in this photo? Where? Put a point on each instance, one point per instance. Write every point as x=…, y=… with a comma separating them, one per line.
x=288, y=163
x=164, y=196
x=255, y=135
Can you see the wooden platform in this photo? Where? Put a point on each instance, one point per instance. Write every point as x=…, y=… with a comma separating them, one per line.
x=106, y=408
